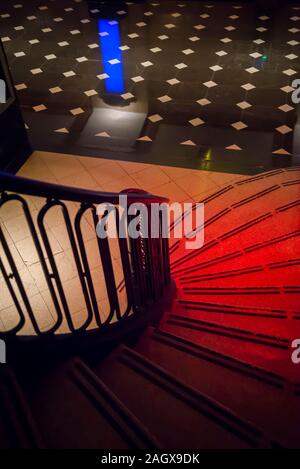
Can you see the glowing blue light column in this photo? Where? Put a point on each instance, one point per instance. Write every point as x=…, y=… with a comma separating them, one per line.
x=110, y=42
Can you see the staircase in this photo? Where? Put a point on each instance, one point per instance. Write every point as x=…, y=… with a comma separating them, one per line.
x=214, y=372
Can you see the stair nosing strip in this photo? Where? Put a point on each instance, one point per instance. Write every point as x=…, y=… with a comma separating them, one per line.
x=107, y=400
x=225, y=418
x=232, y=363
x=240, y=334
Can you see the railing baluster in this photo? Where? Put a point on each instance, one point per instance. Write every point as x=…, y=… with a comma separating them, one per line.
x=19, y=283
x=144, y=261
x=7, y=278
x=105, y=255
x=85, y=262
x=41, y=217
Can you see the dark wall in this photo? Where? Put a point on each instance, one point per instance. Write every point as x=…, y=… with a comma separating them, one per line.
x=14, y=144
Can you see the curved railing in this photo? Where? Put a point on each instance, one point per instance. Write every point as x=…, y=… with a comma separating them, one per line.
x=109, y=280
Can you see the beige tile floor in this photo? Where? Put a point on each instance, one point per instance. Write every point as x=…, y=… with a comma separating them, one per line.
x=178, y=184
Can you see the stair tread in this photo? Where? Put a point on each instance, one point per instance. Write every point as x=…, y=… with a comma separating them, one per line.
x=257, y=351
x=169, y=408
x=17, y=426
x=270, y=403
x=76, y=410
x=283, y=326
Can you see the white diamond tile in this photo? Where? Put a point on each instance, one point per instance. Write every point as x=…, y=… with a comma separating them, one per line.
x=50, y=57
x=55, y=89
x=21, y=86
x=289, y=72
x=226, y=40
x=196, y=122
x=216, y=68
x=188, y=51
x=291, y=56
x=188, y=143
x=39, y=108
x=103, y=76
x=286, y=108
x=244, y=105
x=114, y=61
x=164, y=99
x=76, y=111
x=252, y=70
x=203, y=102
x=173, y=81
x=239, y=125
x=287, y=89
x=36, y=71
x=127, y=96
x=221, y=53
x=81, y=59
x=137, y=79
x=70, y=73
x=155, y=118
x=284, y=129
x=255, y=55
x=248, y=87
x=180, y=66
x=90, y=93
x=210, y=84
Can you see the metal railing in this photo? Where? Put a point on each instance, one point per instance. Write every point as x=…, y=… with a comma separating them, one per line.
x=142, y=263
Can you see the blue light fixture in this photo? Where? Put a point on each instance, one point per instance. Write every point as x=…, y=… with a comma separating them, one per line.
x=109, y=35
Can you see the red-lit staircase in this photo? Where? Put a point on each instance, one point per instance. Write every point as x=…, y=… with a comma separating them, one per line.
x=216, y=372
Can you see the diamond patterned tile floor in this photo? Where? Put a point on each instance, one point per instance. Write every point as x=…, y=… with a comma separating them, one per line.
x=143, y=90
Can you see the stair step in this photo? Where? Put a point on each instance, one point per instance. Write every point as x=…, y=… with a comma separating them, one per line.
x=269, y=401
x=178, y=415
x=276, y=247
x=267, y=322
x=76, y=410
x=17, y=426
x=270, y=353
x=242, y=234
